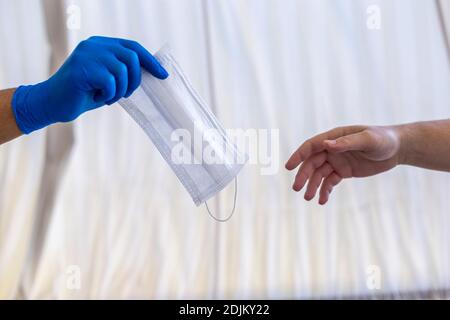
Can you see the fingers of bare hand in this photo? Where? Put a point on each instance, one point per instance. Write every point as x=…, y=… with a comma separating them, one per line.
x=307, y=149
x=311, y=146
x=327, y=187
x=307, y=169
x=316, y=179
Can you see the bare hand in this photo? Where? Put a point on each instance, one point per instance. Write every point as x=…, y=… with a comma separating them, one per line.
x=345, y=152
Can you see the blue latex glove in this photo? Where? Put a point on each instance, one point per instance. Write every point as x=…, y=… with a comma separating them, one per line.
x=100, y=71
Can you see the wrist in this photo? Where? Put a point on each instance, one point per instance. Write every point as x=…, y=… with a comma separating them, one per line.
x=28, y=105
x=403, y=150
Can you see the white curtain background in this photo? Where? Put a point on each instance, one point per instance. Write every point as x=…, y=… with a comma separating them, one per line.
x=96, y=198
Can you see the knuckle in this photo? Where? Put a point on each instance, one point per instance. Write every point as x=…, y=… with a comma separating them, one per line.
x=130, y=59
x=368, y=134
x=87, y=45
x=339, y=130
x=75, y=59
x=308, y=143
x=306, y=148
x=110, y=83
x=300, y=153
x=133, y=58
x=371, y=135
x=343, y=140
x=134, y=42
x=123, y=70
x=95, y=38
x=83, y=45
x=325, y=169
x=301, y=175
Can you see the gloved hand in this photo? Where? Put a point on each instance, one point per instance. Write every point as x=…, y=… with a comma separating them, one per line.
x=100, y=71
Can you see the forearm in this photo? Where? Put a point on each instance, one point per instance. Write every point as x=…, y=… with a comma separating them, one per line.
x=8, y=126
x=425, y=144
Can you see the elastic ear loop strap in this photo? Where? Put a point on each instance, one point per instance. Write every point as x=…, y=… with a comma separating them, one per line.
x=234, y=205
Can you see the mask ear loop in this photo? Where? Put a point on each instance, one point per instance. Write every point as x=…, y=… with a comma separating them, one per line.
x=232, y=211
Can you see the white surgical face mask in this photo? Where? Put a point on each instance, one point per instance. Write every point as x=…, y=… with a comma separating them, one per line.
x=176, y=119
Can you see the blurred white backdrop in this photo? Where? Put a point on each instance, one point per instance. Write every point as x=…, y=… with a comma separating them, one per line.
x=96, y=198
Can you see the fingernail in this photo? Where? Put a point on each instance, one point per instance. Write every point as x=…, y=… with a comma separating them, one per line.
x=331, y=142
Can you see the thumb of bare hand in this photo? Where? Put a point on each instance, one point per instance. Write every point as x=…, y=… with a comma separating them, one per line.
x=355, y=142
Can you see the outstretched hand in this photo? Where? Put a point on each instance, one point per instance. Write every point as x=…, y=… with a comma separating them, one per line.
x=344, y=152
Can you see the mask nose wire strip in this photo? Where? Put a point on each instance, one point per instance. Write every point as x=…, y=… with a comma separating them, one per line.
x=234, y=205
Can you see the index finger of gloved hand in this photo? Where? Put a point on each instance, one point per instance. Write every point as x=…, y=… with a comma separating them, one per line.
x=307, y=168
x=310, y=147
x=131, y=60
x=120, y=72
x=146, y=59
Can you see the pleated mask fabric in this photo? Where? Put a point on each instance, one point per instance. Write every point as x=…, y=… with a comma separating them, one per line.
x=185, y=131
